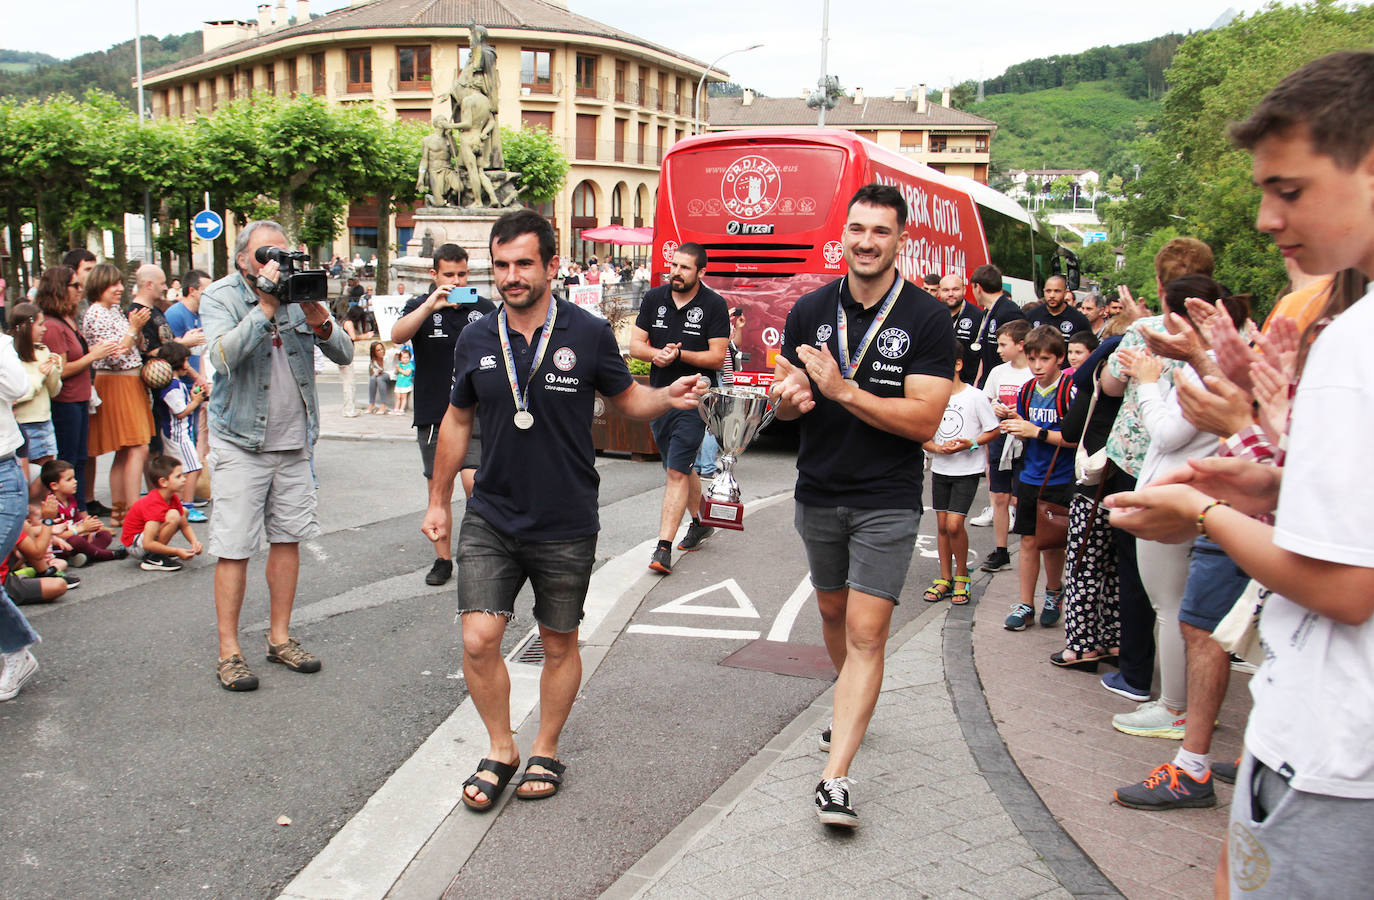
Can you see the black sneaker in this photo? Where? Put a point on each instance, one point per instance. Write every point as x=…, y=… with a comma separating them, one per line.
x=662, y=561
x=697, y=534
x=98, y=509
x=119, y=551
x=440, y=572
x=1225, y=772
x=73, y=581
x=154, y=562
x=832, y=803
x=996, y=561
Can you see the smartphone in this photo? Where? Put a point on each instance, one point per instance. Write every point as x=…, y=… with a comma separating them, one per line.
x=462, y=295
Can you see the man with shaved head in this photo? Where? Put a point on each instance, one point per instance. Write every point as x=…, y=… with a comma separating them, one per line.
x=150, y=288
x=964, y=315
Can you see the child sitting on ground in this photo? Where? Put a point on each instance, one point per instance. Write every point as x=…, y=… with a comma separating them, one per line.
x=24, y=586
x=960, y=454
x=37, y=545
x=1047, y=473
x=182, y=403
x=86, y=536
x=155, y=519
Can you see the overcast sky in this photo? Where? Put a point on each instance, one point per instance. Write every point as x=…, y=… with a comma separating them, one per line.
x=892, y=43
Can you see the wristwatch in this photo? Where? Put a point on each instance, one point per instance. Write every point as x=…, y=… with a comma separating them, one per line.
x=48, y=522
x=1044, y=434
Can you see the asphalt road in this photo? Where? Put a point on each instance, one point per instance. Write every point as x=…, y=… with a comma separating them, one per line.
x=129, y=773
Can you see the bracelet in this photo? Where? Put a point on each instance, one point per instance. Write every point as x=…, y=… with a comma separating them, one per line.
x=1202, y=517
x=975, y=446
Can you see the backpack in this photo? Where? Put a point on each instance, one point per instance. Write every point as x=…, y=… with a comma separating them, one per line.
x=1063, y=396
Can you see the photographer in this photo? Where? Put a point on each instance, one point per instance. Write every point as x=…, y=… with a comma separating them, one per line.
x=264, y=421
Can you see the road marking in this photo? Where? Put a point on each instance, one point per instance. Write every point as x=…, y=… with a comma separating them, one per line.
x=743, y=608
x=684, y=631
x=787, y=616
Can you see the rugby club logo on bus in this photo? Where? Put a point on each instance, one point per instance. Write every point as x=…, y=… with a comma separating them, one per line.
x=751, y=187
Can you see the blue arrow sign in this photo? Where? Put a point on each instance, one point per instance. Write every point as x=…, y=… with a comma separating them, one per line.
x=207, y=224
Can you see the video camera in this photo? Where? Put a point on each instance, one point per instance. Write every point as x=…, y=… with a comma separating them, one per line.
x=295, y=285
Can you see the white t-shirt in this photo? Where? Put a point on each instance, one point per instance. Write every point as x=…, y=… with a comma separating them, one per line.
x=968, y=415
x=1314, y=694
x=1004, y=383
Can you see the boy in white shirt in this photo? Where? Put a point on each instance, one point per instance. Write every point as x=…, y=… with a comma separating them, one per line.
x=1003, y=384
x=958, y=456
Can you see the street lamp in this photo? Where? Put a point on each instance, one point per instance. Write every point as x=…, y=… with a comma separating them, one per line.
x=696, y=108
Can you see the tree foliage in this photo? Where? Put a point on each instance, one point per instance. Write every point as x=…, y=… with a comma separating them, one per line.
x=541, y=162
x=1139, y=67
x=110, y=71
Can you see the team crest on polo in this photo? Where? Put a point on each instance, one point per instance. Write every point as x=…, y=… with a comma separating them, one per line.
x=893, y=342
x=662, y=311
x=823, y=334
x=564, y=358
x=438, y=318
x=474, y=316
x=966, y=323
x=694, y=314
x=1066, y=327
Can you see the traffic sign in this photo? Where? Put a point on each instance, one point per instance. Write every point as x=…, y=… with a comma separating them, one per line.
x=207, y=225
x=1094, y=237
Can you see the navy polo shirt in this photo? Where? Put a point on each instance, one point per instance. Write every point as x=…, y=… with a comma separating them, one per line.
x=843, y=461
x=539, y=484
x=966, y=323
x=434, y=346
x=1003, y=310
x=1069, y=321
x=704, y=317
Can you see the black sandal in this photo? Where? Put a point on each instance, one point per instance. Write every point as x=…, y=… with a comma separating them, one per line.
x=553, y=776
x=504, y=773
x=1082, y=663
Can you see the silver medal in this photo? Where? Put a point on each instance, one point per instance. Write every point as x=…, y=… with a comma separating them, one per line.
x=975, y=346
x=524, y=420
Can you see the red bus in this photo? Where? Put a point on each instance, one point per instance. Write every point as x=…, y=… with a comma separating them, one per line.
x=769, y=206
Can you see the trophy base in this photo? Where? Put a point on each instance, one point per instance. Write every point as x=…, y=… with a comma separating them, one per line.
x=722, y=514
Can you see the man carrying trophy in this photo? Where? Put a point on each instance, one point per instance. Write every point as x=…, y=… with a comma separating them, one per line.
x=866, y=365
x=683, y=328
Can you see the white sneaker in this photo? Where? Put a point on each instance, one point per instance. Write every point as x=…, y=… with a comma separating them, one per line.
x=18, y=668
x=1152, y=719
x=983, y=519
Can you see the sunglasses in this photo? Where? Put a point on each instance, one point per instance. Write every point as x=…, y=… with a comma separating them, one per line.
x=72, y=284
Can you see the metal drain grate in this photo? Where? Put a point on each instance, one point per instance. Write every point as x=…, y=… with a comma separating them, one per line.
x=531, y=652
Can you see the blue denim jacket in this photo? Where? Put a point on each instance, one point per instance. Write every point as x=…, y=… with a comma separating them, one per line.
x=239, y=347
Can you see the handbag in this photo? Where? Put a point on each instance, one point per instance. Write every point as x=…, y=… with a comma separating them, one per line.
x=1088, y=468
x=1238, y=630
x=1051, y=519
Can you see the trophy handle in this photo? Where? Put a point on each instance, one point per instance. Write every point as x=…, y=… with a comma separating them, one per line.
x=769, y=411
x=704, y=406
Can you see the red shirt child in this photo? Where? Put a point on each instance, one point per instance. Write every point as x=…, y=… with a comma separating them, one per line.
x=152, y=507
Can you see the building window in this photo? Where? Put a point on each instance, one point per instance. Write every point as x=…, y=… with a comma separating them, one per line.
x=360, y=70
x=317, y=73
x=213, y=93
x=643, y=87
x=662, y=102
x=677, y=98
x=639, y=207
x=247, y=82
x=617, y=207
x=292, y=87
x=412, y=68
x=536, y=70
x=980, y=143
x=531, y=120
x=619, y=80
x=938, y=143
x=620, y=127
x=583, y=216
x=586, y=76
x=643, y=139
x=271, y=78
x=910, y=141
x=662, y=142
x=586, y=137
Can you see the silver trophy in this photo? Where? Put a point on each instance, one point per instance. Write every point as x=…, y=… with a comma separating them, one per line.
x=734, y=416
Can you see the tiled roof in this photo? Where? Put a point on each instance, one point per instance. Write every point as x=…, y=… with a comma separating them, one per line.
x=873, y=112
x=533, y=15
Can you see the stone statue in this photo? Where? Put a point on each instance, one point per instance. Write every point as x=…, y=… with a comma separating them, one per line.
x=480, y=178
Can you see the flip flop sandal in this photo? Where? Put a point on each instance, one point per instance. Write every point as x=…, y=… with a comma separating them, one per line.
x=504, y=773
x=961, y=590
x=937, y=590
x=553, y=776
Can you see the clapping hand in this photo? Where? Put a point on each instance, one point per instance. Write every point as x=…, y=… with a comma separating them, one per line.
x=667, y=356
x=138, y=317
x=793, y=390
x=823, y=370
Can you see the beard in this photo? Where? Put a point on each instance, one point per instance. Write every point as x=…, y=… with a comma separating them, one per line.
x=525, y=300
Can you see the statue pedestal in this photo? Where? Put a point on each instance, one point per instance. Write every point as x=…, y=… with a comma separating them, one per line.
x=468, y=228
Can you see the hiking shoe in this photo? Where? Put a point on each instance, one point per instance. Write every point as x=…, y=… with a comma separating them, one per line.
x=1022, y=614
x=1225, y=772
x=17, y=668
x=234, y=674
x=833, y=803
x=1151, y=719
x=983, y=519
x=825, y=739
x=440, y=572
x=1117, y=684
x=293, y=656
x=662, y=561
x=154, y=562
x=195, y=515
x=77, y=560
x=697, y=534
x=1168, y=787
x=996, y=561
x=1049, y=613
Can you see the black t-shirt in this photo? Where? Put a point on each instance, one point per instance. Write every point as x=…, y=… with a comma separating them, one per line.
x=1069, y=320
x=434, y=344
x=966, y=324
x=1004, y=310
x=156, y=331
x=539, y=484
x=844, y=461
x=706, y=316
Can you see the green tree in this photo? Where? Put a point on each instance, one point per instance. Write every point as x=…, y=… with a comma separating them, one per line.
x=542, y=164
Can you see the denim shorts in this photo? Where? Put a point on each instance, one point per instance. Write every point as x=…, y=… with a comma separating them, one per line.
x=1001, y=481
x=493, y=567
x=39, y=440
x=678, y=434
x=867, y=550
x=1215, y=583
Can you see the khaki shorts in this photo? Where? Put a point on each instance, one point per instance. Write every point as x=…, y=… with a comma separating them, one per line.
x=271, y=492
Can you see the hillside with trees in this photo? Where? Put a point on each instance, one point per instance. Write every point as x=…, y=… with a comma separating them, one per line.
x=35, y=76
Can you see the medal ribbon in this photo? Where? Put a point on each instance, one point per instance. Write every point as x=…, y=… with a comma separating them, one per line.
x=848, y=367
x=522, y=397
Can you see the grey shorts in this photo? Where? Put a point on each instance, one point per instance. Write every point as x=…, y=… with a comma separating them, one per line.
x=868, y=550
x=427, y=436
x=1288, y=843
x=269, y=493
x=493, y=567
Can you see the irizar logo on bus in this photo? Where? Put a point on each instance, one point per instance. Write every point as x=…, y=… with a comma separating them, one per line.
x=751, y=187
x=734, y=227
